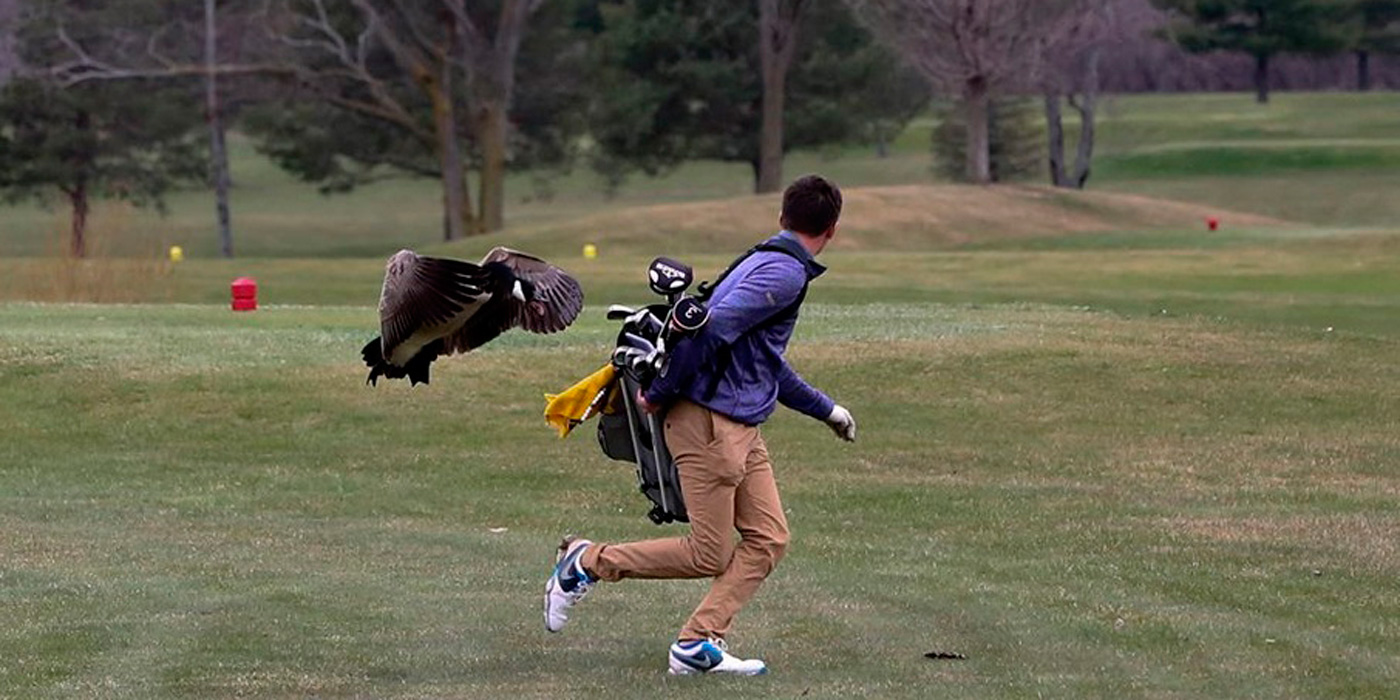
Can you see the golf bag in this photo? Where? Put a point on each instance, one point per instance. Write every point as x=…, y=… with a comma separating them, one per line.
x=633, y=435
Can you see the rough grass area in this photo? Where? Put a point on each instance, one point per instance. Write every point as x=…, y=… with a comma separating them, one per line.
x=1096, y=470
x=202, y=504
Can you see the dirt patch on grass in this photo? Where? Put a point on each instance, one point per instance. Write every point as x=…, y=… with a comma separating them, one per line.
x=1374, y=542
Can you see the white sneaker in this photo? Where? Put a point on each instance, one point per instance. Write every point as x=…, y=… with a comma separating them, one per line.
x=567, y=585
x=711, y=656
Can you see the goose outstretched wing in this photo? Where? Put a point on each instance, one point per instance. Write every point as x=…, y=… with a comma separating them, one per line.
x=558, y=297
x=422, y=293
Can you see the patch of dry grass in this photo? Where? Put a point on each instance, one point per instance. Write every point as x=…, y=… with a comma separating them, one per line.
x=103, y=276
x=1367, y=541
x=907, y=217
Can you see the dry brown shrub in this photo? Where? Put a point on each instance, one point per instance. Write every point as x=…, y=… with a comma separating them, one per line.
x=101, y=276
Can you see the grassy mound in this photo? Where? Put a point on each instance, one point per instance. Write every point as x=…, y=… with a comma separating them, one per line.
x=908, y=217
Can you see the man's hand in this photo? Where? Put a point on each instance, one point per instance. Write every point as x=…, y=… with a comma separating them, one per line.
x=842, y=423
x=646, y=406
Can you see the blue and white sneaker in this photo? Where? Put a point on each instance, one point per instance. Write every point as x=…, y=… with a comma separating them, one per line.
x=567, y=585
x=711, y=656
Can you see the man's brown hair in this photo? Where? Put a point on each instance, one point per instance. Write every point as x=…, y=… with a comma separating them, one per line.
x=811, y=205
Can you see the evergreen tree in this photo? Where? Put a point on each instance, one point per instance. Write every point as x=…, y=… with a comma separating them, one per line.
x=1260, y=28
x=98, y=141
x=1375, y=29
x=681, y=80
x=1014, y=136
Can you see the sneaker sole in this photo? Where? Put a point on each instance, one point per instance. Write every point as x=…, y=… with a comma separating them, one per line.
x=677, y=667
x=698, y=672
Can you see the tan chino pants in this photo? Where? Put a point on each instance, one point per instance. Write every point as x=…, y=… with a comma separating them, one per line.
x=728, y=485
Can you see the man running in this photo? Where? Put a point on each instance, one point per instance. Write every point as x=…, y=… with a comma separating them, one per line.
x=717, y=388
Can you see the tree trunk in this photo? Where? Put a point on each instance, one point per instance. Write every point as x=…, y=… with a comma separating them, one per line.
x=1084, y=155
x=489, y=62
x=1261, y=78
x=222, y=184
x=456, y=201
x=78, y=194
x=491, y=135
x=218, y=150
x=976, y=113
x=1055, y=131
x=1363, y=71
x=770, y=144
x=1086, y=106
x=777, y=44
x=78, y=198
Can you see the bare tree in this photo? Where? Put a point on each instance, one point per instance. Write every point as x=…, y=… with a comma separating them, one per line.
x=422, y=53
x=429, y=46
x=9, y=60
x=217, y=141
x=487, y=56
x=969, y=48
x=312, y=46
x=777, y=44
x=1071, y=74
x=330, y=50
x=168, y=47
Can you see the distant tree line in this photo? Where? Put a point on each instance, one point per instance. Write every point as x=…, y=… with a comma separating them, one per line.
x=127, y=98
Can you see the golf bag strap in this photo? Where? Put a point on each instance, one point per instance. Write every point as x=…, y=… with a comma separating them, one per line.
x=725, y=355
x=780, y=245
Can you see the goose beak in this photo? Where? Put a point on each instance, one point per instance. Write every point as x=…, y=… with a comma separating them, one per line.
x=518, y=292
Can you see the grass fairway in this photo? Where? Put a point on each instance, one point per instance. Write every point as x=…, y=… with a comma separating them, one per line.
x=1086, y=496
x=1103, y=453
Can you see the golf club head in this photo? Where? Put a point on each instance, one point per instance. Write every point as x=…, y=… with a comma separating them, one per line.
x=625, y=357
x=689, y=315
x=617, y=312
x=644, y=323
x=639, y=363
x=669, y=277
x=636, y=341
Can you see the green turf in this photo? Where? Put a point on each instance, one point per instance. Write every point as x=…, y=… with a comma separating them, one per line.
x=1323, y=158
x=1131, y=463
x=1100, y=470
x=1249, y=160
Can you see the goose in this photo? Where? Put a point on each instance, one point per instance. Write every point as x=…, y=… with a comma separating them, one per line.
x=440, y=306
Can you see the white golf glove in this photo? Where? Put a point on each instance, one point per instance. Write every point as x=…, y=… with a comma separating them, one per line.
x=842, y=423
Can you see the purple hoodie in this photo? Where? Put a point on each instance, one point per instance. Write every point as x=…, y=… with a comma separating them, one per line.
x=757, y=377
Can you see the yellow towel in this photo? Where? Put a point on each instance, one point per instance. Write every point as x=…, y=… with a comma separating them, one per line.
x=581, y=401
